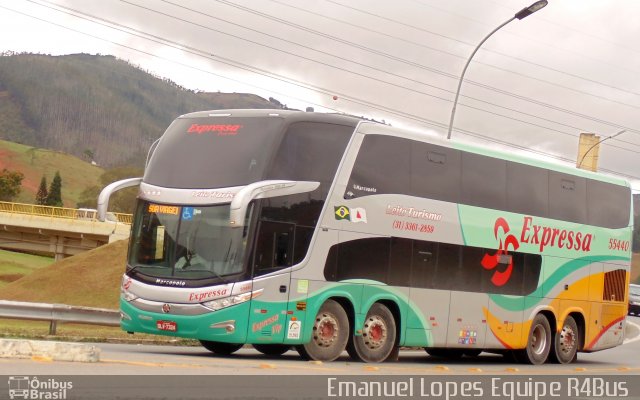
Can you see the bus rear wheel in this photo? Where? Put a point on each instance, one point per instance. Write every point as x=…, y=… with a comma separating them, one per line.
x=566, y=342
x=272, y=349
x=538, y=343
x=378, y=339
x=223, y=349
x=330, y=334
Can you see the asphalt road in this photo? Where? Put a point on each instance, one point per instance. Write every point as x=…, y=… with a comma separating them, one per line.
x=127, y=359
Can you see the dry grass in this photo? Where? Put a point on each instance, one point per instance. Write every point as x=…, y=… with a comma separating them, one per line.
x=90, y=279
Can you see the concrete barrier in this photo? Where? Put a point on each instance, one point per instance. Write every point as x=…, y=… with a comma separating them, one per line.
x=50, y=351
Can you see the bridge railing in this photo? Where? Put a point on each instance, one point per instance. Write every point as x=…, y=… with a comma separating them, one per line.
x=61, y=212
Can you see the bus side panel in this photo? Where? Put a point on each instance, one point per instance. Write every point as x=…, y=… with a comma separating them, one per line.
x=467, y=325
x=431, y=322
x=506, y=327
x=609, y=305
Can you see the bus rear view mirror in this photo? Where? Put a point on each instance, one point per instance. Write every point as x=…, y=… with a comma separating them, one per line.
x=105, y=194
x=263, y=190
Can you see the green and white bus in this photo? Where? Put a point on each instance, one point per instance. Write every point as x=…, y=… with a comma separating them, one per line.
x=328, y=233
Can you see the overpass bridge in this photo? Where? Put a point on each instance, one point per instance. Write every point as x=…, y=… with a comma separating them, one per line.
x=57, y=231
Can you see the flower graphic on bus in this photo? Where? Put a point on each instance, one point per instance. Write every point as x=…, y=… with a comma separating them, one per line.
x=506, y=242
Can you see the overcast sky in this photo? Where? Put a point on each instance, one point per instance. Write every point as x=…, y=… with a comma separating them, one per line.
x=536, y=84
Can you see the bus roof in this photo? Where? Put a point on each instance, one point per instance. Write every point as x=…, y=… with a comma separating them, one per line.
x=289, y=115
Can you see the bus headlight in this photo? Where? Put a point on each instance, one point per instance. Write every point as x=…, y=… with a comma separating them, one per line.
x=219, y=304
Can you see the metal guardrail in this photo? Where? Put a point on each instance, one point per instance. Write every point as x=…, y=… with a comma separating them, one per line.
x=55, y=313
x=58, y=212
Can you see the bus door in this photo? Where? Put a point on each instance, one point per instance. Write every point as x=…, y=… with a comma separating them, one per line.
x=273, y=253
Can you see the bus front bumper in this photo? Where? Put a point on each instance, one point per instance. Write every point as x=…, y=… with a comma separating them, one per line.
x=226, y=325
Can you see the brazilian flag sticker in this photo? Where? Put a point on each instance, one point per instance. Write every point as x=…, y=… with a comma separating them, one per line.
x=342, y=212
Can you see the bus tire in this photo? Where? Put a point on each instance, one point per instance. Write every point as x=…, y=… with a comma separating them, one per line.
x=538, y=343
x=272, y=349
x=565, y=346
x=220, y=348
x=330, y=334
x=378, y=338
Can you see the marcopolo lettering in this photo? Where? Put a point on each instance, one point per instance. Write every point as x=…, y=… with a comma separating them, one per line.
x=170, y=282
x=561, y=238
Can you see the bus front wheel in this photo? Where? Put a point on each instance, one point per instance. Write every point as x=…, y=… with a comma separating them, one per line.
x=330, y=334
x=538, y=343
x=223, y=349
x=378, y=338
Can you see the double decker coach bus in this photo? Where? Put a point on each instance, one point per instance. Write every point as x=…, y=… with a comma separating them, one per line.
x=327, y=233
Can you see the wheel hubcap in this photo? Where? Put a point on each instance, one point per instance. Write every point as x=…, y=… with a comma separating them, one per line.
x=374, y=332
x=539, y=340
x=325, y=330
x=567, y=340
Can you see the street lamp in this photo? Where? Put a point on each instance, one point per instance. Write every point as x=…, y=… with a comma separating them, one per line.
x=525, y=12
x=592, y=147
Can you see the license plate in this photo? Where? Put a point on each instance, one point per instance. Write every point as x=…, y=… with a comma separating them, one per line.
x=167, y=326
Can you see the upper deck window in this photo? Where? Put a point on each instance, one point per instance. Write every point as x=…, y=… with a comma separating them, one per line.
x=394, y=165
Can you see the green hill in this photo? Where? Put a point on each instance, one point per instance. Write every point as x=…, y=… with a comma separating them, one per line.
x=77, y=175
x=100, y=105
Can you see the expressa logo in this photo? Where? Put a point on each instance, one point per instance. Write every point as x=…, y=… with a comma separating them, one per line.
x=532, y=233
x=221, y=130
x=506, y=242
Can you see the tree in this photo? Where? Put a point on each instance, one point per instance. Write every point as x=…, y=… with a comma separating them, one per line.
x=54, y=198
x=10, y=184
x=41, y=196
x=89, y=197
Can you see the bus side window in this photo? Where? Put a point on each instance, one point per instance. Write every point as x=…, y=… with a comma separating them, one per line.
x=359, y=259
x=274, y=247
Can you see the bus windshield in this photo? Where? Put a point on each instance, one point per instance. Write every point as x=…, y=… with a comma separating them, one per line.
x=186, y=242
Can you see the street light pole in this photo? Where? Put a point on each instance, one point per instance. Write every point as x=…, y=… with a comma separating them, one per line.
x=525, y=12
x=592, y=147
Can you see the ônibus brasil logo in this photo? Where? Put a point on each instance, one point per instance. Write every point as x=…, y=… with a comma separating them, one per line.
x=534, y=234
x=33, y=388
